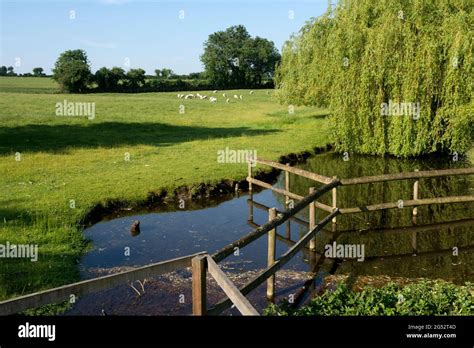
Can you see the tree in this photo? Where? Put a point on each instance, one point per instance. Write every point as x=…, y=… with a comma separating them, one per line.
x=224, y=56
x=233, y=58
x=102, y=78
x=195, y=76
x=10, y=71
x=108, y=79
x=164, y=73
x=38, y=72
x=3, y=70
x=365, y=56
x=262, y=60
x=72, y=71
x=117, y=75
x=135, y=78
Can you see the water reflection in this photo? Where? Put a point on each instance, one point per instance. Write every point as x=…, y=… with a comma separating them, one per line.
x=396, y=243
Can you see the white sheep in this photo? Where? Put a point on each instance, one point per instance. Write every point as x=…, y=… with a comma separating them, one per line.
x=236, y=96
x=213, y=100
x=227, y=100
x=240, y=96
x=215, y=91
x=189, y=96
x=251, y=92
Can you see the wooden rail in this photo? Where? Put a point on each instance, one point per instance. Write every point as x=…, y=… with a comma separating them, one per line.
x=405, y=176
x=239, y=300
x=63, y=293
x=304, y=173
x=408, y=203
x=271, y=270
x=415, y=202
x=280, y=219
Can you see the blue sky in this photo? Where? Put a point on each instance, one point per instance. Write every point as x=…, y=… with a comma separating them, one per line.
x=150, y=34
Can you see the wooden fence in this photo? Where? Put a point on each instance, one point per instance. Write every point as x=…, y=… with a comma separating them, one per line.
x=414, y=202
x=63, y=293
x=202, y=263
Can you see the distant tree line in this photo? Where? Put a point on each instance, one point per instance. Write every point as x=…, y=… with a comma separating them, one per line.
x=9, y=71
x=232, y=59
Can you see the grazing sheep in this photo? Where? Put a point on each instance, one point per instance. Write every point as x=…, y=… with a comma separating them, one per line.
x=213, y=100
x=204, y=97
x=215, y=91
x=236, y=96
x=251, y=92
x=189, y=96
x=224, y=95
x=240, y=96
x=227, y=100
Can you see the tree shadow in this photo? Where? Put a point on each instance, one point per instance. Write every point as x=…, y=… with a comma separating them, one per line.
x=60, y=138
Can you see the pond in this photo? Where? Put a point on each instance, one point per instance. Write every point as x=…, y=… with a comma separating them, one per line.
x=438, y=243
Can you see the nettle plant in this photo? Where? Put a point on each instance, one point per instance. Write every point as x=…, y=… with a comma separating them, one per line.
x=364, y=54
x=421, y=298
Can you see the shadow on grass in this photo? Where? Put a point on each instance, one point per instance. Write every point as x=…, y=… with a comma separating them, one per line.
x=58, y=138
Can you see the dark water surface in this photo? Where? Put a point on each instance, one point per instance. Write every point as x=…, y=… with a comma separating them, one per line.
x=395, y=243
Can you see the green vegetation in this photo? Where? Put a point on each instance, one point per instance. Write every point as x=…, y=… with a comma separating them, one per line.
x=233, y=58
x=74, y=158
x=364, y=55
x=72, y=71
x=421, y=298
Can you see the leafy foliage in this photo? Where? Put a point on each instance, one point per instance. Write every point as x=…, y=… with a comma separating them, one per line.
x=72, y=71
x=233, y=58
x=364, y=53
x=422, y=298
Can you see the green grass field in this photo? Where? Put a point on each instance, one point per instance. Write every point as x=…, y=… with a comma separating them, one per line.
x=28, y=85
x=67, y=158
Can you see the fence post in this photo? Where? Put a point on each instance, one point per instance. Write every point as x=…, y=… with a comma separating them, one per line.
x=199, y=285
x=415, y=194
x=334, y=200
x=250, y=206
x=249, y=161
x=312, y=221
x=287, y=185
x=272, y=213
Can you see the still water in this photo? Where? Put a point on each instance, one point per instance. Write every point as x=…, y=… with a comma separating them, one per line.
x=395, y=244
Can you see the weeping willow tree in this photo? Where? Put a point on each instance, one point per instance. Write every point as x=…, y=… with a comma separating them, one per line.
x=397, y=75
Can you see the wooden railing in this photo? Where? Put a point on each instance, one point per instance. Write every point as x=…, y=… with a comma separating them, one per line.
x=414, y=202
x=236, y=296
x=64, y=293
x=202, y=262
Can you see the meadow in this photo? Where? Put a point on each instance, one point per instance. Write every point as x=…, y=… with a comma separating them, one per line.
x=55, y=169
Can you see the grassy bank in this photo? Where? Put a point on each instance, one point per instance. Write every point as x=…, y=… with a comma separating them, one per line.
x=73, y=158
